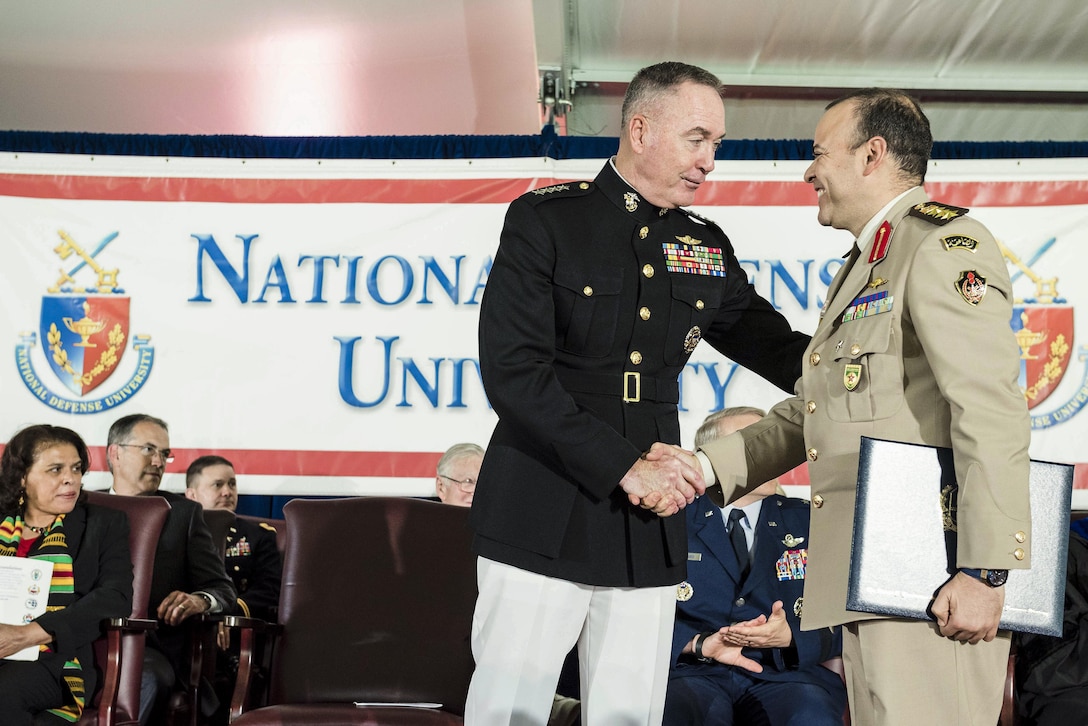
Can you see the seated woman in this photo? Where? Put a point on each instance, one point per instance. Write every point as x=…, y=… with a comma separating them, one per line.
x=44, y=516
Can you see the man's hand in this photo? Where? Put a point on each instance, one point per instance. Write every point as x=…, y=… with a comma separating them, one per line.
x=761, y=632
x=666, y=479
x=717, y=648
x=222, y=636
x=661, y=451
x=967, y=609
x=178, y=605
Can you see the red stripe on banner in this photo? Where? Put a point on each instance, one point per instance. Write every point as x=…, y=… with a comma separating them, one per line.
x=797, y=476
x=1080, y=476
x=406, y=464
x=485, y=191
x=269, y=191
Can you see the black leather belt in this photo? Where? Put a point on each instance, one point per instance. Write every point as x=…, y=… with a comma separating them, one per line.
x=631, y=386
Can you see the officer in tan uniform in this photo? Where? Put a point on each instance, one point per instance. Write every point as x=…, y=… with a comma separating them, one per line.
x=913, y=345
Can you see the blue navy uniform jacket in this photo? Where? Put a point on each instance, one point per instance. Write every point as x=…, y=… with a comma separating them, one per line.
x=716, y=597
x=590, y=302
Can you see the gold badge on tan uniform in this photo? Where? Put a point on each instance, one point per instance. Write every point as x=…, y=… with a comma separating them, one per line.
x=692, y=338
x=971, y=286
x=851, y=376
x=684, y=591
x=630, y=201
x=790, y=541
x=959, y=242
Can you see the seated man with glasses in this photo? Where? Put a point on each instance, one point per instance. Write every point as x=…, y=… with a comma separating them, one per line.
x=457, y=472
x=189, y=576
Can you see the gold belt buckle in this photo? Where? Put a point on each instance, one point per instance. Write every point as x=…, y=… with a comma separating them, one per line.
x=629, y=376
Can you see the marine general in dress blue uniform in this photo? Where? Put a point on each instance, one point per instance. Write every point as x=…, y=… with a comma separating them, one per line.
x=599, y=293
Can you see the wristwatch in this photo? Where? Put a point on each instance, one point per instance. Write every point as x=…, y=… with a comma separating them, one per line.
x=206, y=598
x=700, y=640
x=993, y=578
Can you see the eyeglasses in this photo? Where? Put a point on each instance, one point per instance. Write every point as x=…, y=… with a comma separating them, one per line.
x=149, y=451
x=465, y=485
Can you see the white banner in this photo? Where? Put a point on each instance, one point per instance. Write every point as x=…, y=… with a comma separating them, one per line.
x=315, y=322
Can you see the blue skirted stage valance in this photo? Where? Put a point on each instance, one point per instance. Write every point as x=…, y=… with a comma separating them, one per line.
x=546, y=144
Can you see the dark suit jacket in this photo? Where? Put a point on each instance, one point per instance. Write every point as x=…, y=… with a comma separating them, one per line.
x=580, y=299
x=102, y=570
x=717, y=597
x=254, y=564
x=188, y=560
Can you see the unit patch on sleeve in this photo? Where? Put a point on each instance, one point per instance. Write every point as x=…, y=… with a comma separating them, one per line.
x=971, y=286
x=693, y=259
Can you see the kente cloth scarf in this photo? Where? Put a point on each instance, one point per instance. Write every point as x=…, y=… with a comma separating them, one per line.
x=52, y=546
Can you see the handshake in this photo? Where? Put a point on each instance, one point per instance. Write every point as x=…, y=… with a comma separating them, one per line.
x=665, y=479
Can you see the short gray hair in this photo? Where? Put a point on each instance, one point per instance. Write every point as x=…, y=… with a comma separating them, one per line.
x=708, y=430
x=653, y=82
x=455, y=452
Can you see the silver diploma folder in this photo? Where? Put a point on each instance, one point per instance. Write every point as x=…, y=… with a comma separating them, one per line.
x=904, y=545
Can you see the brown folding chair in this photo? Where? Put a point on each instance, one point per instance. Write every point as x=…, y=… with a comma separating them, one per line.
x=376, y=607
x=119, y=653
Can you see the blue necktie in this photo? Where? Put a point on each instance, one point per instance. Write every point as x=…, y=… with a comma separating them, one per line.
x=739, y=541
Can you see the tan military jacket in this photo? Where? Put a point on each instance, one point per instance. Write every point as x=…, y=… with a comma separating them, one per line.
x=933, y=361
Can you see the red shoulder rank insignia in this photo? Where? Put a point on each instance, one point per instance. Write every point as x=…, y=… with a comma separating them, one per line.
x=881, y=243
x=971, y=286
x=937, y=213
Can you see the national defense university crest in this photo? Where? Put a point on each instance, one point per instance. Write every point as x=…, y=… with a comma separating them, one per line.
x=1042, y=322
x=83, y=332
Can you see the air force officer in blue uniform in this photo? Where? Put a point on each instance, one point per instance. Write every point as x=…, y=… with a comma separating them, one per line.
x=720, y=590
